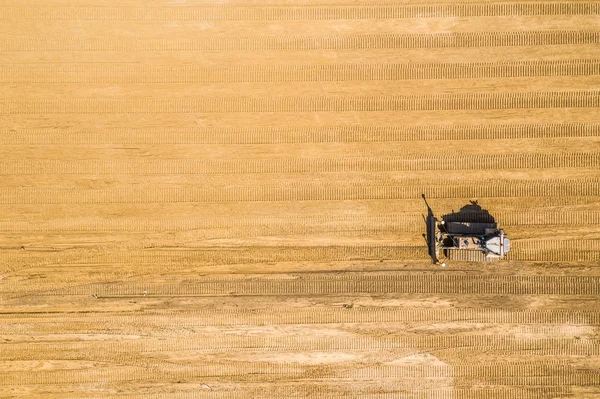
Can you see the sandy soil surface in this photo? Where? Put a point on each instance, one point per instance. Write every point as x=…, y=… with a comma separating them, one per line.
x=222, y=199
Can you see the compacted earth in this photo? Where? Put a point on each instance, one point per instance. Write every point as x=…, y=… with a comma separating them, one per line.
x=223, y=199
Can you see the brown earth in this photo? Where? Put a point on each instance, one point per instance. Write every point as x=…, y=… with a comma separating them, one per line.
x=222, y=199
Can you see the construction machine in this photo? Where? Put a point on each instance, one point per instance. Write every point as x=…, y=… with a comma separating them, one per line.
x=468, y=235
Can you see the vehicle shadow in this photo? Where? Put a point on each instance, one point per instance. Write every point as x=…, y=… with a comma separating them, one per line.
x=471, y=213
x=477, y=217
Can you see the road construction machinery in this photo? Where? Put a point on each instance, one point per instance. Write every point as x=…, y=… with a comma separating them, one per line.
x=468, y=235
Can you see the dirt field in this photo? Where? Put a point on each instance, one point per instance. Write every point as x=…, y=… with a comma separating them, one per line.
x=222, y=199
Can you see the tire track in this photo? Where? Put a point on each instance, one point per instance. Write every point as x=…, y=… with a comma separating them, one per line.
x=312, y=316
x=496, y=376
x=556, y=256
x=300, y=192
x=336, y=392
x=165, y=259
x=293, y=135
x=517, y=374
x=567, y=245
x=548, y=218
x=284, y=225
x=565, y=380
x=249, y=371
x=191, y=105
x=348, y=284
x=234, y=226
x=309, y=13
x=556, y=251
x=297, y=165
x=119, y=73
x=114, y=330
x=292, y=343
x=22, y=43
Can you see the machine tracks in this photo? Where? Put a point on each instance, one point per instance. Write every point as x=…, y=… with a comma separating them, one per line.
x=178, y=105
x=225, y=201
x=229, y=317
x=296, y=165
x=23, y=43
x=308, y=12
x=127, y=74
x=518, y=374
x=311, y=285
x=294, y=135
x=206, y=344
x=285, y=225
x=299, y=192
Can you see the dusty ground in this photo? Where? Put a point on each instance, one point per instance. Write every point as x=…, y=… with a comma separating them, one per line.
x=222, y=199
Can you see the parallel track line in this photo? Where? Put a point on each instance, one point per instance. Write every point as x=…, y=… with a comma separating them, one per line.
x=280, y=135
x=191, y=105
x=405, y=222
x=289, y=343
x=508, y=375
x=430, y=284
x=337, y=392
x=300, y=192
x=118, y=73
x=21, y=43
x=302, y=13
x=377, y=393
x=313, y=316
x=298, y=165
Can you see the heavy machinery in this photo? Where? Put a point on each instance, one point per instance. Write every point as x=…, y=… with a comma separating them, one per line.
x=468, y=235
